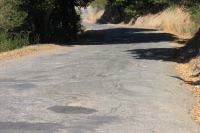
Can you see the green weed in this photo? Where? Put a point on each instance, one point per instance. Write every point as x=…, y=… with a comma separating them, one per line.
x=12, y=41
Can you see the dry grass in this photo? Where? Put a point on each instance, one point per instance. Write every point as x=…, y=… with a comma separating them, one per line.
x=28, y=50
x=175, y=21
x=94, y=17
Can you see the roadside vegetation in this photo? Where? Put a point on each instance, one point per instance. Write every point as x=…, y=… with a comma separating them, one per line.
x=117, y=11
x=99, y=4
x=25, y=22
x=10, y=19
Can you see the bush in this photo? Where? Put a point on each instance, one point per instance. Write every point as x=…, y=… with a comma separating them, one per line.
x=10, y=19
x=194, y=10
x=99, y=4
x=12, y=41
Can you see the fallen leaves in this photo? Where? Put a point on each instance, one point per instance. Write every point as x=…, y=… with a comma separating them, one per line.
x=189, y=73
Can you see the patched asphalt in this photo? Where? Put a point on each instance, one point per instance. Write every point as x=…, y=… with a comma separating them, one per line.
x=121, y=82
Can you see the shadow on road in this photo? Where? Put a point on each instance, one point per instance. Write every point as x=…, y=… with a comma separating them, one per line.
x=134, y=36
x=125, y=36
x=163, y=54
x=71, y=110
x=24, y=127
x=196, y=83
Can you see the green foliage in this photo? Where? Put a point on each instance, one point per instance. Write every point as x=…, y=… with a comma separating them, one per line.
x=133, y=8
x=144, y=5
x=10, y=16
x=10, y=19
x=195, y=12
x=52, y=21
x=99, y=4
x=10, y=41
x=136, y=8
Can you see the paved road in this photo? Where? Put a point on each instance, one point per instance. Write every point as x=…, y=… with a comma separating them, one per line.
x=123, y=81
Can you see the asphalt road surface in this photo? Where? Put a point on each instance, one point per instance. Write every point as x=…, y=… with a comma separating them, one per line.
x=123, y=81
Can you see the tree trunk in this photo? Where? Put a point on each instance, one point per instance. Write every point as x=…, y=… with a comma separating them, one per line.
x=69, y=18
x=73, y=11
x=45, y=21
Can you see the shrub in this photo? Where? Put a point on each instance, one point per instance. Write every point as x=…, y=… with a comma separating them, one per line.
x=10, y=19
x=194, y=10
x=99, y=4
x=12, y=41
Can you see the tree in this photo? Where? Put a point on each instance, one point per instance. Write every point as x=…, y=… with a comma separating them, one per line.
x=10, y=16
x=53, y=20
